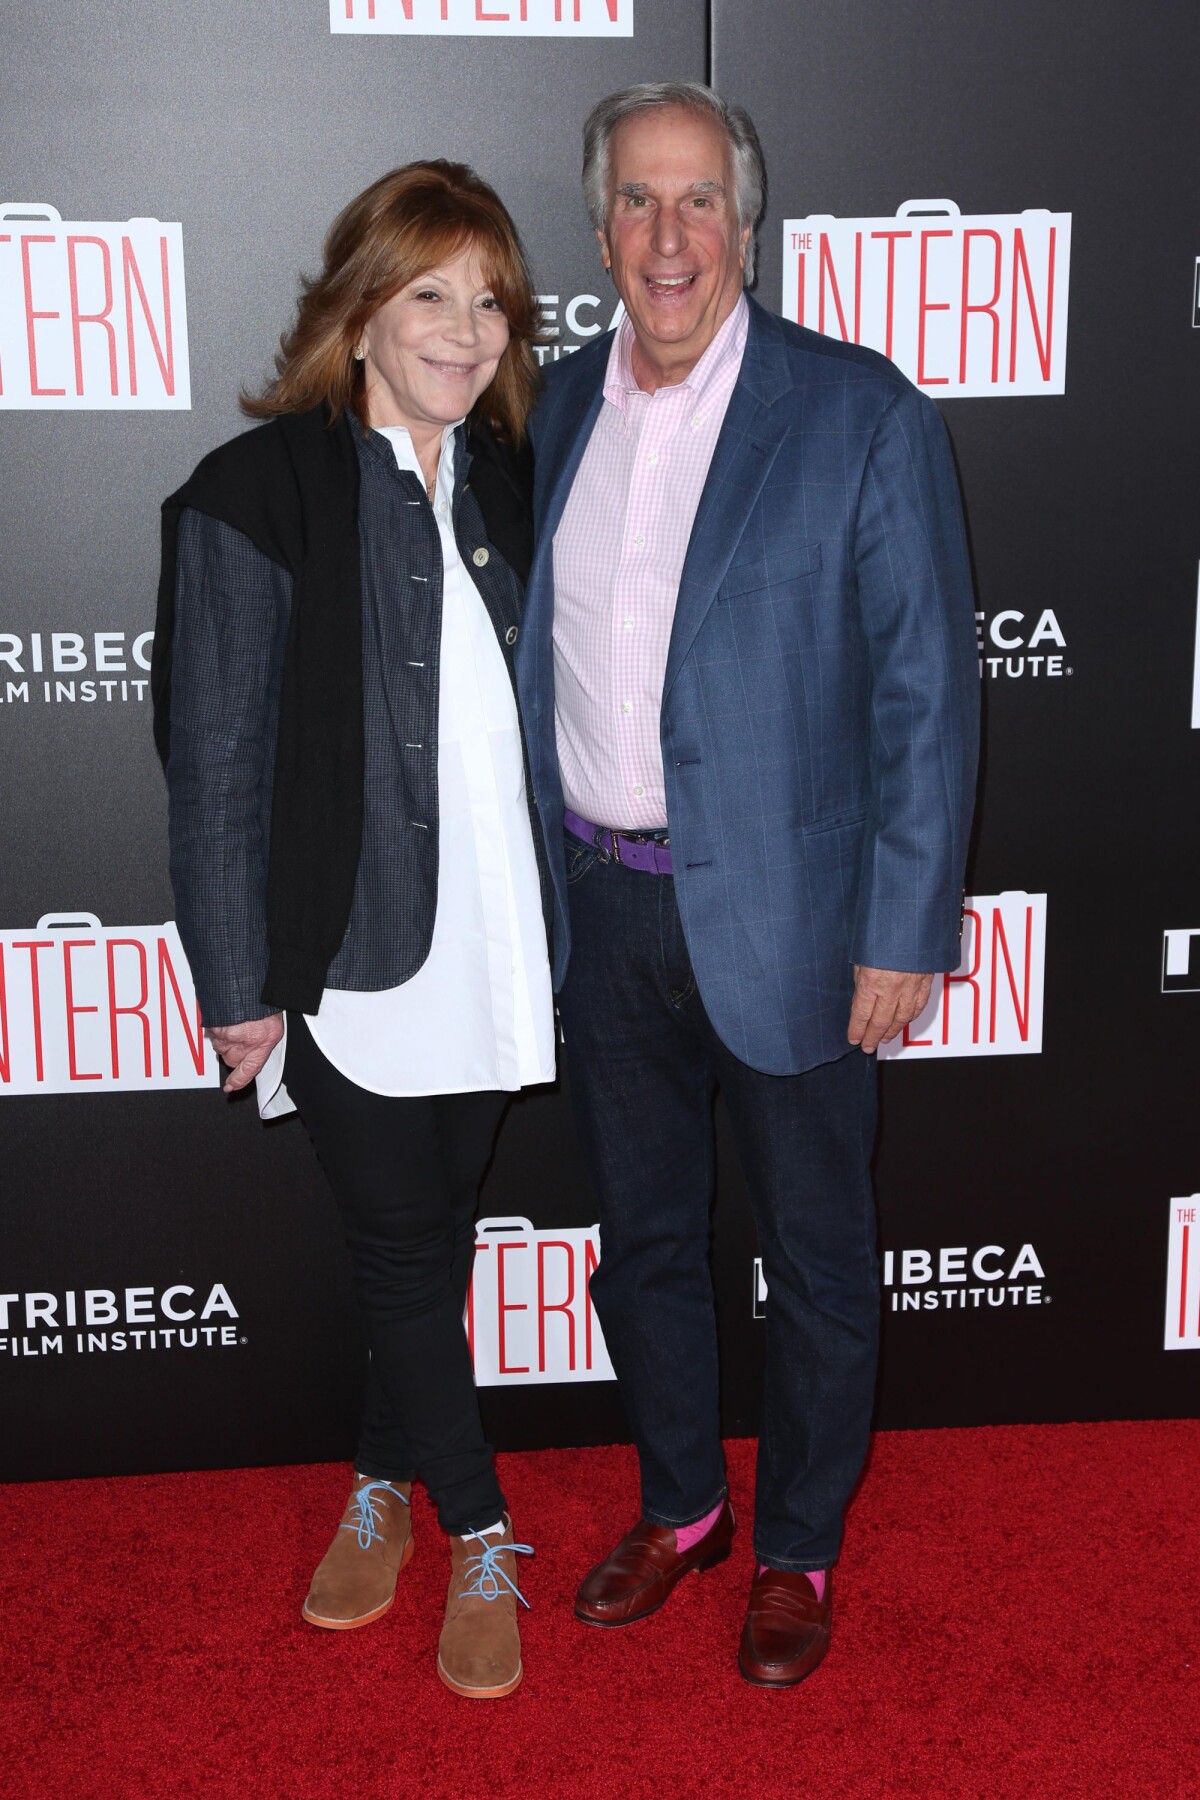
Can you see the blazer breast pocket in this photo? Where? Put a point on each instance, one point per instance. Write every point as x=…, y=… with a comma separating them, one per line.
x=775, y=570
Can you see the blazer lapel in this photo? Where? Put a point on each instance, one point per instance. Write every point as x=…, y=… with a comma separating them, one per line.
x=754, y=428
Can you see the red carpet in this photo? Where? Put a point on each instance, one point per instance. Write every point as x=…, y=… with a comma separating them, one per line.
x=1017, y=1615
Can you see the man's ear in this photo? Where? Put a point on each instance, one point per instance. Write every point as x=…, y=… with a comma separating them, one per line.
x=602, y=240
x=744, y=244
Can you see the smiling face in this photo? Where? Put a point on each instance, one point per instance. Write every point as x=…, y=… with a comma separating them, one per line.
x=672, y=241
x=433, y=348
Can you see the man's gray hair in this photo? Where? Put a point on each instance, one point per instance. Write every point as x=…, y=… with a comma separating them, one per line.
x=749, y=175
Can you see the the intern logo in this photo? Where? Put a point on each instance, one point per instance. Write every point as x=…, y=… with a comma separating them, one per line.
x=92, y=315
x=965, y=305
x=992, y=1004
x=530, y=1318
x=484, y=18
x=87, y=1008
x=1183, y=1276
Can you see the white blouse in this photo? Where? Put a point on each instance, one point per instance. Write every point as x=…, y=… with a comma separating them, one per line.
x=478, y=1014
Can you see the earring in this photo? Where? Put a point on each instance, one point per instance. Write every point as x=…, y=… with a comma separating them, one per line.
x=359, y=354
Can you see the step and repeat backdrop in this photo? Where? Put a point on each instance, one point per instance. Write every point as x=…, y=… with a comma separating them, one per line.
x=1002, y=201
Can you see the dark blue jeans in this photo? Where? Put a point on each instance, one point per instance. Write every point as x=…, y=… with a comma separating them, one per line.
x=644, y=1064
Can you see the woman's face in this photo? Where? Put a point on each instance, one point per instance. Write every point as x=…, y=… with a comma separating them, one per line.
x=433, y=348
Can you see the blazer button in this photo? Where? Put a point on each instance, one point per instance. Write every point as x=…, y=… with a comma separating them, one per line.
x=479, y=557
x=510, y=636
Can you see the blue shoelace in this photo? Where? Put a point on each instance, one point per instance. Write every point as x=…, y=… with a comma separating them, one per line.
x=368, y=1515
x=488, y=1572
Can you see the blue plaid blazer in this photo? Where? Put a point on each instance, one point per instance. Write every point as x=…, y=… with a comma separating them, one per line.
x=820, y=712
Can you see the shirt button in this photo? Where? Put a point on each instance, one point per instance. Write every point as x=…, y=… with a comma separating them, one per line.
x=639, y=539
x=653, y=457
x=639, y=791
x=479, y=557
x=696, y=423
x=627, y=706
x=629, y=624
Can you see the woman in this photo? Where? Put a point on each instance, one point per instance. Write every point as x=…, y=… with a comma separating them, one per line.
x=359, y=880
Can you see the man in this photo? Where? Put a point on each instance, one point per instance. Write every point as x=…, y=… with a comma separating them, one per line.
x=750, y=687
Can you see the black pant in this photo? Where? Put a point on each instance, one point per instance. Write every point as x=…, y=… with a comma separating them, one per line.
x=405, y=1174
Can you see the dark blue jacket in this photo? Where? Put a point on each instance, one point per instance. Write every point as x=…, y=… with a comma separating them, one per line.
x=232, y=607
x=819, y=721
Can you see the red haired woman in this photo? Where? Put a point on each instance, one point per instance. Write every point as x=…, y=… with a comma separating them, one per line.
x=359, y=875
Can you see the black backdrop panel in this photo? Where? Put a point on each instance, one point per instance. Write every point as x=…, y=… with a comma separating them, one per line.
x=247, y=128
x=1082, y=518
x=174, y=1291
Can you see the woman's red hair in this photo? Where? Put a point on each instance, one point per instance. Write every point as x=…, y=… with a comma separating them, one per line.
x=404, y=224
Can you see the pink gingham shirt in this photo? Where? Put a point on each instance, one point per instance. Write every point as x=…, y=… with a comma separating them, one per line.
x=618, y=556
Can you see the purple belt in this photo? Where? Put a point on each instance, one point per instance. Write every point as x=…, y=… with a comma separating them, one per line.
x=630, y=848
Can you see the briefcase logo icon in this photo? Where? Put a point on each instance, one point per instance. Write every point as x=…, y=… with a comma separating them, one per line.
x=1181, y=962
x=87, y=1008
x=992, y=1004
x=93, y=316
x=529, y=1315
x=1182, y=1331
x=965, y=304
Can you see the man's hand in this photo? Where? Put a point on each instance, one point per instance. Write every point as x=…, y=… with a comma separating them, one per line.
x=245, y=1048
x=884, y=1002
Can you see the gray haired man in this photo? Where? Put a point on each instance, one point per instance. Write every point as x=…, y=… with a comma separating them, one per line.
x=747, y=667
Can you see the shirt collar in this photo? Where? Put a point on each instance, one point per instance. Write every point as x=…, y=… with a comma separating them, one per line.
x=712, y=376
x=391, y=451
x=395, y=443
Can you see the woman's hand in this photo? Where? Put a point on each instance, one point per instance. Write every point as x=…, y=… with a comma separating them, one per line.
x=245, y=1048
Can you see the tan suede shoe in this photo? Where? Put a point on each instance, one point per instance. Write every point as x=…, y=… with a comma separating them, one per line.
x=479, y=1653
x=355, y=1580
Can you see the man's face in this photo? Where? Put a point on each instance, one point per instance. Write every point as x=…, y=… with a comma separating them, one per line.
x=672, y=242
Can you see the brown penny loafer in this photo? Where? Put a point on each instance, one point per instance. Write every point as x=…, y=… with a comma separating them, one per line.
x=635, y=1579
x=786, y=1633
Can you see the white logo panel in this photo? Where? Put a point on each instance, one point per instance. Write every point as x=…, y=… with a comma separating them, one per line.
x=1181, y=962
x=568, y=321
x=972, y=305
x=952, y=1277
x=992, y=1005
x=484, y=18
x=1182, y=1329
x=87, y=1008
x=56, y=668
x=78, y=1322
x=92, y=315
x=529, y=1314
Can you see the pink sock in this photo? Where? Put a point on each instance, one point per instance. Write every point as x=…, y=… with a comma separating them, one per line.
x=687, y=1535
x=816, y=1576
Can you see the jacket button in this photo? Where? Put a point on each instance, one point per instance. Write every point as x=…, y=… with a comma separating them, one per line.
x=510, y=636
x=479, y=557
